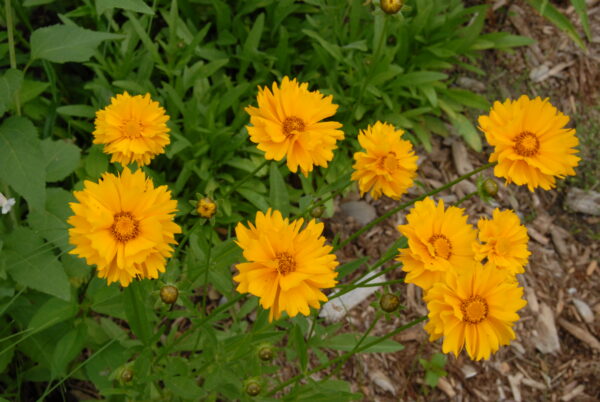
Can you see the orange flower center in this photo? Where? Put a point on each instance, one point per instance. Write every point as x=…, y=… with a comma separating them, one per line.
x=125, y=227
x=441, y=246
x=475, y=309
x=388, y=162
x=526, y=144
x=502, y=246
x=285, y=263
x=132, y=128
x=292, y=125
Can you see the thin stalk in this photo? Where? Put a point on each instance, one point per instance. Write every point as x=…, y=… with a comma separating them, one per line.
x=11, y=47
x=245, y=178
x=373, y=285
x=409, y=203
x=205, y=285
x=345, y=356
x=465, y=198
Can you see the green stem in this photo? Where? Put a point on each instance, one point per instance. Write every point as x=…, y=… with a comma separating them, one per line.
x=346, y=355
x=11, y=47
x=466, y=197
x=205, y=284
x=409, y=203
x=245, y=178
x=373, y=285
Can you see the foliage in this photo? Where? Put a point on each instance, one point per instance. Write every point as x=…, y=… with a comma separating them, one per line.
x=434, y=369
x=202, y=60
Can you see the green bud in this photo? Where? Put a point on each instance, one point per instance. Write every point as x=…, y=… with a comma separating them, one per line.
x=252, y=387
x=389, y=302
x=317, y=212
x=391, y=6
x=266, y=352
x=169, y=294
x=490, y=187
x=126, y=375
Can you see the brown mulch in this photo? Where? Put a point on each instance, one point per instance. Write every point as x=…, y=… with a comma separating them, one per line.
x=563, y=269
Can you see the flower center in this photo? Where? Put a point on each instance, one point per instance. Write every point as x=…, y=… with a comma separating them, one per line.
x=526, y=144
x=285, y=263
x=441, y=246
x=502, y=246
x=475, y=309
x=291, y=125
x=132, y=128
x=388, y=162
x=125, y=227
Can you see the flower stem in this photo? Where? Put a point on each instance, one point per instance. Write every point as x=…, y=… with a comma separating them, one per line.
x=11, y=47
x=347, y=355
x=465, y=198
x=409, y=203
x=245, y=178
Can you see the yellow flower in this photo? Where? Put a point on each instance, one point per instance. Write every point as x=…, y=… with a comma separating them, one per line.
x=124, y=226
x=389, y=164
x=132, y=128
x=439, y=241
x=206, y=208
x=503, y=242
x=475, y=310
x=287, y=265
x=288, y=123
x=531, y=144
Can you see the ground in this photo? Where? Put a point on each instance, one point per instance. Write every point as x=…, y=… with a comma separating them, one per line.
x=562, y=277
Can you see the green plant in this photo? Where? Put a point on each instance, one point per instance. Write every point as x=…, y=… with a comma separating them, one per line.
x=434, y=369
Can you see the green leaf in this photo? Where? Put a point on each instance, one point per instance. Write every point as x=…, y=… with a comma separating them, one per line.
x=31, y=90
x=348, y=341
x=419, y=78
x=96, y=162
x=10, y=84
x=550, y=12
x=67, y=349
x=137, y=311
x=258, y=200
x=52, y=312
x=77, y=111
x=332, y=49
x=51, y=223
x=62, y=158
x=502, y=40
x=253, y=39
x=280, y=200
x=131, y=5
x=466, y=129
x=468, y=98
x=581, y=9
x=31, y=263
x=64, y=43
x=301, y=347
x=184, y=387
x=22, y=161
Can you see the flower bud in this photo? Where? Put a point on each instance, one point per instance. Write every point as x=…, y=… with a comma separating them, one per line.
x=317, y=212
x=391, y=6
x=126, y=375
x=490, y=187
x=266, y=352
x=252, y=387
x=389, y=302
x=169, y=294
x=206, y=208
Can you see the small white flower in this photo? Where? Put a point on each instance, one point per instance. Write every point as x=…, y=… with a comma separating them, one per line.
x=6, y=204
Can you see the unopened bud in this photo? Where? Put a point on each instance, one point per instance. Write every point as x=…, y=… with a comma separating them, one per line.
x=206, y=208
x=252, y=387
x=391, y=6
x=169, y=294
x=266, y=352
x=490, y=187
x=317, y=212
x=389, y=302
x=126, y=375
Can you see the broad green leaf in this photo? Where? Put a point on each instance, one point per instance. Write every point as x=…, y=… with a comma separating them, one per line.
x=184, y=387
x=333, y=49
x=419, y=78
x=77, y=111
x=253, y=39
x=51, y=313
x=31, y=263
x=468, y=98
x=10, y=84
x=258, y=200
x=348, y=341
x=62, y=158
x=96, y=162
x=31, y=90
x=279, y=197
x=67, y=349
x=64, y=43
x=135, y=303
x=51, y=223
x=132, y=5
x=22, y=161
x=466, y=129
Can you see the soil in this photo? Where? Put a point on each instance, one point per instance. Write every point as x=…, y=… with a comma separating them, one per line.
x=563, y=266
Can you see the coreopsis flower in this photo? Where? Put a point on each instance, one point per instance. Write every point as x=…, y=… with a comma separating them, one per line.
x=439, y=240
x=475, y=311
x=288, y=122
x=503, y=242
x=388, y=164
x=206, y=208
x=132, y=129
x=532, y=145
x=287, y=265
x=6, y=204
x=124, y=226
